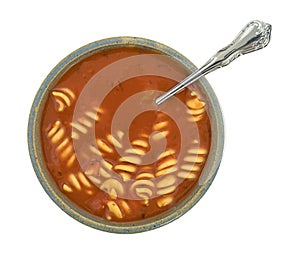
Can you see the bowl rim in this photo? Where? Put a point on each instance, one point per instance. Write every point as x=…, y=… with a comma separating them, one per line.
x=33, y=138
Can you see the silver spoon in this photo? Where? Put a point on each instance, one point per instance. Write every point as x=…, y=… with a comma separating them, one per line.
x=254, y=36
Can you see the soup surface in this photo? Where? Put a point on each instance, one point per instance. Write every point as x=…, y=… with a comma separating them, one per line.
x=110, y=149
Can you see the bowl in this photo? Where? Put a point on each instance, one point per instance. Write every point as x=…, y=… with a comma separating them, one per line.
x=143, y=62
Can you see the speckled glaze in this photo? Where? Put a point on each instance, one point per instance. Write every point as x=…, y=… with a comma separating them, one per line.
x=58, y=197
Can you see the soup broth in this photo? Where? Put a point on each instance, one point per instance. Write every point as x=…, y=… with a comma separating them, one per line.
x=110, y=149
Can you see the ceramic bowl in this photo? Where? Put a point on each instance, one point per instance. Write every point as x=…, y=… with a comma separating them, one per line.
x=34, y=139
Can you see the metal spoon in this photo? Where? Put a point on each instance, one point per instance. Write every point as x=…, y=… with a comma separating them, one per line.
x=254, y=36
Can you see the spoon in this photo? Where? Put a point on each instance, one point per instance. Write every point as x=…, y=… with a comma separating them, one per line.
x=254, y=36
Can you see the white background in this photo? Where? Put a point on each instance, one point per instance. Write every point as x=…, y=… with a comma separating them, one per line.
x=253, y=206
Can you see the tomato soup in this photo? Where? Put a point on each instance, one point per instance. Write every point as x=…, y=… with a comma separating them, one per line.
x=110, y=149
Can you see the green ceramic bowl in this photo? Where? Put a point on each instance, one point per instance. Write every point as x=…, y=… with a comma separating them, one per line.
x=34, y=139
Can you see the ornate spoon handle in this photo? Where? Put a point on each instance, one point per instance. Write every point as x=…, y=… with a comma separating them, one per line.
x=254, y=36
